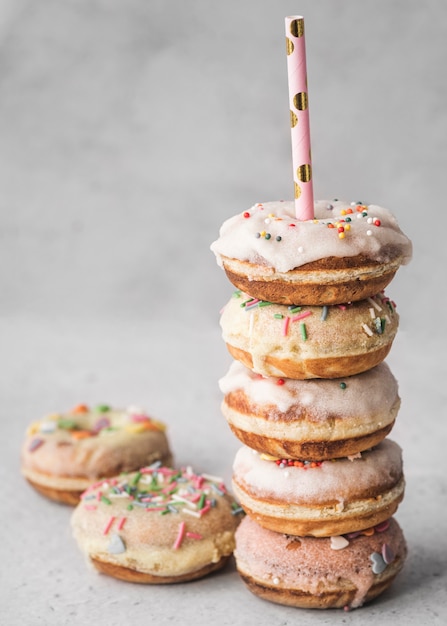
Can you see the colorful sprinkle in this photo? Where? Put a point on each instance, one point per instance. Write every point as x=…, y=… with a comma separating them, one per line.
x=180, y=535
x=109, y=524
x=303, y=331
x=35, y=444
x=116, y=545
x=324, y=313
x=343, y=385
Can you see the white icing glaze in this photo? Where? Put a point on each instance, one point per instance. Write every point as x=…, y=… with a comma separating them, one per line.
x=309, y=240
x=337, y=480
x=371, y=393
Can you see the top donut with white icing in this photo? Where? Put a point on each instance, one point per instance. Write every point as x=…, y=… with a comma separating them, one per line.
x=269, y=234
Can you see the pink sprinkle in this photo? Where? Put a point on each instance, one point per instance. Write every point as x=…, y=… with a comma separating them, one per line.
x=205, y=509
x=156, y=508
x=90, y=507
x=121, y=523
x=342, y=307
x=285, y=327
x=109, y=525
x=180, y=535
x=222, y=487
x=253, y=302
x=194, y=536
x=139, y=418
x=35, y=443
x=300, y=316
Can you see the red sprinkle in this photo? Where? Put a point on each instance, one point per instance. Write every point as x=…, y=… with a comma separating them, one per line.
x=377, y=222
x=246, y=214
x=280, y=381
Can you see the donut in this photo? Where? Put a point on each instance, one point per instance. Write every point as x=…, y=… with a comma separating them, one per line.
x=347, y=253
x=63, y=454
x=157, y=525
x=316, y=419
x=319, y=573
x=309, y=342
x=320, y=498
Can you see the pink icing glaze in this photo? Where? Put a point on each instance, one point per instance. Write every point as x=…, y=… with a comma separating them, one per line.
x=310, y=240
x=371, y=393
x=306, y=562
x=339, y=480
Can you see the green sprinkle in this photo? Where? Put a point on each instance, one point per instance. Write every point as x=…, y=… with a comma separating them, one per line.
x=67, y=424
x=237, y=294
x=264, y=303
x=105, y=500
x=130, y=507
x=135, y=478
x=294, y=309
x=102, y=408
x=343, y=385
x=201, y=502
x=165, y=512
x=278, y=316
x=303, y=331
x=267, y=235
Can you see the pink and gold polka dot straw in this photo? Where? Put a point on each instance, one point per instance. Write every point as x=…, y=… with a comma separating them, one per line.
x=299, y=117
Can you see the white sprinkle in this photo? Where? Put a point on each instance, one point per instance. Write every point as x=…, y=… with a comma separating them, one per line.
x=190, y=512
x=286, y=474
x=367, y=330
x=300, y=249
x=276, y=581
x=370, y=220
x=372, y=313
x=215, y=479
x=48, y=427
x=375, y=304
x=338, y=542
x=388, y=321
x=369, y=233
x=267, y=221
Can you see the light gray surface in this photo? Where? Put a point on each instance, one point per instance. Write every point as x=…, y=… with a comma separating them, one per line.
x=129, y=130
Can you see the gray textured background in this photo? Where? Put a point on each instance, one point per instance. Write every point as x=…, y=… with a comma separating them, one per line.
x=129, y=130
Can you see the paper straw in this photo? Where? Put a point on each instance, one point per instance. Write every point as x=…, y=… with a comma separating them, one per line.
x=299, y=117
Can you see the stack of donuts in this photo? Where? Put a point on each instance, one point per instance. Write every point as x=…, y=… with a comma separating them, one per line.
x=312, y=400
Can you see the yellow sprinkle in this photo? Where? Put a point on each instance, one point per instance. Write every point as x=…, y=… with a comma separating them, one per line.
x=341, y=235
x=347, y=226
x=343, y=212
x=33, y=428
x=267, y=457
x=263, y=233
x=271, y=215
x=53, y=416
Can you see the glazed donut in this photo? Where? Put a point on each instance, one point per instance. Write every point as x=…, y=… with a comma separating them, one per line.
x=348, y=252
x=305, y=572
x=321, y=498
x=157, y=525
x=318, y=419
x=65, y=453
x=309, y=342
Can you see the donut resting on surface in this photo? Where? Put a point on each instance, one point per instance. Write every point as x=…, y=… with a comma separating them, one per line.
x=65, y=453
x=319, y=573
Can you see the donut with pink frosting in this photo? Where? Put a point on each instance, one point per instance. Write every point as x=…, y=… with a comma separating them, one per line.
x=347, y=253
x=320, y=498
x=342, y=571
x=316, y=419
